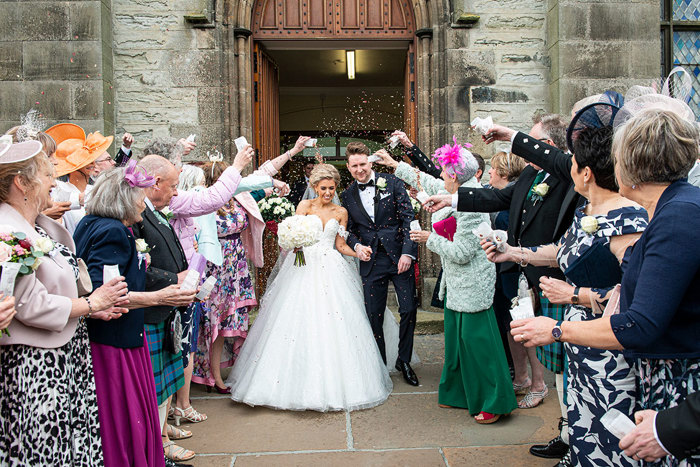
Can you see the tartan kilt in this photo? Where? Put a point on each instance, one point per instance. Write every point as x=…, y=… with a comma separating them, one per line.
x=167, y=367
x=551, y=355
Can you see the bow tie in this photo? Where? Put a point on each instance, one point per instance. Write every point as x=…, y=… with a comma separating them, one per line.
x=362, y=186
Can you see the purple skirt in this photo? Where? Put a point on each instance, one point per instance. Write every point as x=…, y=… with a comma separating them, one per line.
x=127, y=407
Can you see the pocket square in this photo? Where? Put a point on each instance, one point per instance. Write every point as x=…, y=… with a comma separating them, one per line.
x=384, y=195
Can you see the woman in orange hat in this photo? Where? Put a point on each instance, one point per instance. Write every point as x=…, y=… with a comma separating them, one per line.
x=76, y=155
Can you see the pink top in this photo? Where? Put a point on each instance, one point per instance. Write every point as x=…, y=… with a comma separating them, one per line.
x=42, y=299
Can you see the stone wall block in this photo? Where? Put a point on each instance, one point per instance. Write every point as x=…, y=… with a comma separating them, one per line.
x=85, y=20
x=10, y=27
x=623, y=22
x=206, y=38
x=155, y=20
x=196, y=68
x=511, y=41
x=458, y=104
x=86, y=60
x=209, y=138
x=468, y=68
x=501, y=6
x=511, y=21
x=53, y=99
x=487, y=94
x=574, y=22
x=87, y=101
x=457, y=38
x=11, y=61
x=44, y=21
x=125, y=60
x=211, y=104
x=46, y=60
x=593, y=59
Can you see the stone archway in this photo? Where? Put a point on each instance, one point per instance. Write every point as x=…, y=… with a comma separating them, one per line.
x=430, y=67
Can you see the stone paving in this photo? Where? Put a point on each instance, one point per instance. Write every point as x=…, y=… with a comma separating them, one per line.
x=409, y=429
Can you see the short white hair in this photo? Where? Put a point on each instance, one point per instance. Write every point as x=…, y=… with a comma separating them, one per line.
x=190, y=177
x=113, y=197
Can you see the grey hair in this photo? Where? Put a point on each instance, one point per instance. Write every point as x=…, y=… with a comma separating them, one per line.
x=113, y=197
x=170, y=148
x=554, y=127
x=469, y=168
x=190, y=177
x=156, y=165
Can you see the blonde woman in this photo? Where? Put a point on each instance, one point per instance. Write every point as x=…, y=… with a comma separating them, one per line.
x=312, y=347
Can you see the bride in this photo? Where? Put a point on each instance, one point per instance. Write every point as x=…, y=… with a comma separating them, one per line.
x=311, y=347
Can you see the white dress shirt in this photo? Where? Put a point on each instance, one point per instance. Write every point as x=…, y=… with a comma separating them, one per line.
x=367, y=196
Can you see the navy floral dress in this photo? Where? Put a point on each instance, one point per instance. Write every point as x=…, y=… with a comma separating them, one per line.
x=598, y=380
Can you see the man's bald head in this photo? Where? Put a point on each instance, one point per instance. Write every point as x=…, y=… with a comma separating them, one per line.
x=167, y=177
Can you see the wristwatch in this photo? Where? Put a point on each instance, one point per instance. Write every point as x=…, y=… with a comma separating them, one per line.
x=556, y=331
x=574, y=298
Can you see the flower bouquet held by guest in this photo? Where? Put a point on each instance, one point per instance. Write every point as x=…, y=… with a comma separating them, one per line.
x=658, y=323
x=475, y=374
x=49, y=411
x=313, y=349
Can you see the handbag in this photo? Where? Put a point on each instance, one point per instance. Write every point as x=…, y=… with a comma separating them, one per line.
x=446, y=228
x=173, y=332
x=596, y=268
x=84, y=281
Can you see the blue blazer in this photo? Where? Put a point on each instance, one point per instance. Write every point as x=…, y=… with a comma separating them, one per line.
x=101, y=241
x=660, y=295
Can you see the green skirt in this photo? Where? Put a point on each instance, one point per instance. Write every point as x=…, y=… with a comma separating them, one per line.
x=475, y=375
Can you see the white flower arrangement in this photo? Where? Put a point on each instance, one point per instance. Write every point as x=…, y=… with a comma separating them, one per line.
x=167, y=212
x=541, y=189
x=142, y=246
x=381, y=183
x=589, y=224
x=275, y=209
x=298, y=232
x=45, y=245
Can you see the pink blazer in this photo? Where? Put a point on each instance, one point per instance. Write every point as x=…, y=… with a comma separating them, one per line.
x=42, y=299
x=189, y=204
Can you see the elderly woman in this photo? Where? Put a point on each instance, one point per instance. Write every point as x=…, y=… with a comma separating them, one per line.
x=659, y=320
x=475, y=374
x=49, y=414
x=126, y=397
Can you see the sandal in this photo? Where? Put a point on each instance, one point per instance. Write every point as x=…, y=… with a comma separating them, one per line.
x=177, y=453
x=533, y=398
x=177, y=433
x=190, y=414
x=171, y=413
x=486, y=418
x=521, y=389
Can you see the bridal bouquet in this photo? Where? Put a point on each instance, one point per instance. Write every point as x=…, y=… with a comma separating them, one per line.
x=275, y=209
x=297, y=232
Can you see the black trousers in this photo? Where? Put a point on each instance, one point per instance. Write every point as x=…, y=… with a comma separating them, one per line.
x=375, y=286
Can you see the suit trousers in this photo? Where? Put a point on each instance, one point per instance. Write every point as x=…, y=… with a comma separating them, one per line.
x=375, y=286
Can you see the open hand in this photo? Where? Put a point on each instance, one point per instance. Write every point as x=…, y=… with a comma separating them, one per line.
x=641, y=443
x=498, y=133
x=386, y=159
x=404, y=263
x=437, y=202
x=57, y=209
x=533, y=332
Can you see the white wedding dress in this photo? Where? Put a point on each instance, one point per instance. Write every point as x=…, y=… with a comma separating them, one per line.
x=311, y=347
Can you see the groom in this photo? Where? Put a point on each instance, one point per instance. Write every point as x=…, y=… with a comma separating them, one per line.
x=379, y=215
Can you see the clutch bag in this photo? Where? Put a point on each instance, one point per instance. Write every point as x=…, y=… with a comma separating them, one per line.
x=446, y=228
x=597, y=268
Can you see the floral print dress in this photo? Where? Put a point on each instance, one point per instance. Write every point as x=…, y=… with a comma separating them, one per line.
x=225, y=313
x=598, y=380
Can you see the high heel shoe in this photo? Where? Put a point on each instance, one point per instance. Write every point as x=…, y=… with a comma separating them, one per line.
x=224, y=390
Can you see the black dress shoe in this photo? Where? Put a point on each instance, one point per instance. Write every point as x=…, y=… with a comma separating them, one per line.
x=555, y=449
x=172, y=463
x=407, y=372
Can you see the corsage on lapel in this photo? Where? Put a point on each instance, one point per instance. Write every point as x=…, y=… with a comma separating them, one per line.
x=142, y=248
x=539, y=191
x=381, y=183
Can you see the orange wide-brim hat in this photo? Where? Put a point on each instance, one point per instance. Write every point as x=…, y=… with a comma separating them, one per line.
x=64, y=131
x=73, y=154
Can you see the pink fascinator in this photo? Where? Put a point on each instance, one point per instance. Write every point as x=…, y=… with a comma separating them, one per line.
x=137, y=177
x=456, y=158
x=17, y=152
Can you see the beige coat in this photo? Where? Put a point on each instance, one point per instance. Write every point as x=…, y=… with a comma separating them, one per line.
x=42, y=299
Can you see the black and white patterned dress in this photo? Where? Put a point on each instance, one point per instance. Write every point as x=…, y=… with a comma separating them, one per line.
x=48, y=414
x=598, y=380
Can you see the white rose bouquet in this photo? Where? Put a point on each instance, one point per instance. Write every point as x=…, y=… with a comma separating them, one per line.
x=296, y=233
x=275, y=208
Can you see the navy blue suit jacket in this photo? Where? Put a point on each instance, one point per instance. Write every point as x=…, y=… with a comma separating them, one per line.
x=393, y=214
x=100, y=241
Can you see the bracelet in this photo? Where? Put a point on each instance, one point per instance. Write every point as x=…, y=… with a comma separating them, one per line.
x=87, y=300
x=522, y=263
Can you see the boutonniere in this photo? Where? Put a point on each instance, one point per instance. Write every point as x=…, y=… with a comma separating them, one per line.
x=539, y=191
x=381, y=183
x=142, y=248
x=167, y=212
x=589, y=224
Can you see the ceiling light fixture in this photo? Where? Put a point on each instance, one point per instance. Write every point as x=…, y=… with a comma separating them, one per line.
x=350, y=56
